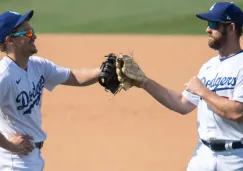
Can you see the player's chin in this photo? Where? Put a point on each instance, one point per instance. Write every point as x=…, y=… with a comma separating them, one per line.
x=214, y=45
x=34, y=50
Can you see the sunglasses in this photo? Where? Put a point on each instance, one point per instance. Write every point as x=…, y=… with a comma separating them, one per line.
x=27, y=33
x=215, y=25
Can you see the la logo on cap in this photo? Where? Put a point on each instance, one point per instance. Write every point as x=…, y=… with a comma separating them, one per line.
x=228, y=17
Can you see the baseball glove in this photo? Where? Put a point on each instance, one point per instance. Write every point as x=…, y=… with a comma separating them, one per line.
x=128, y=71
x=108, y=77
x=120, y=71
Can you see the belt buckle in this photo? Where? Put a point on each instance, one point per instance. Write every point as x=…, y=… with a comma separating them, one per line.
x=228, y=145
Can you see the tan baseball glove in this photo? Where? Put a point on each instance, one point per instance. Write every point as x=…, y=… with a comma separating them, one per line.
x=128, y=71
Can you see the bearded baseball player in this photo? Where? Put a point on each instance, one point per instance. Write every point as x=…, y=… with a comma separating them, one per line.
x=22, y=79
x=217, y=91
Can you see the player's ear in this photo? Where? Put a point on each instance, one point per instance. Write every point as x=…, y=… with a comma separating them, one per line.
x=8, y=39
x=232, y=26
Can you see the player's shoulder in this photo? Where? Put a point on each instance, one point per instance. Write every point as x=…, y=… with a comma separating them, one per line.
x=238, y=58
x=234, y=61
x=5, y=66
x=210, y=62
x=36, y=59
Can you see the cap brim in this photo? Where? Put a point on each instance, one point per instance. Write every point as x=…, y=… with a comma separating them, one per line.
x=26, y=17
x=208, y=17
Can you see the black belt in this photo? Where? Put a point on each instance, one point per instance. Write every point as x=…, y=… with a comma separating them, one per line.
x=39, y=144
x=222, y=146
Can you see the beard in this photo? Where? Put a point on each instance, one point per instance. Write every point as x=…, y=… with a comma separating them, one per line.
x=28, y=51
x=32, y=47
x=34, y=50
x=217, y=42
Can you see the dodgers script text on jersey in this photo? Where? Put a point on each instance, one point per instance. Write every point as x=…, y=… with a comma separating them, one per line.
x=219, y=82
x=28, y=100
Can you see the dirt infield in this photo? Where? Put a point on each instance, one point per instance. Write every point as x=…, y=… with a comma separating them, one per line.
x=131, y=132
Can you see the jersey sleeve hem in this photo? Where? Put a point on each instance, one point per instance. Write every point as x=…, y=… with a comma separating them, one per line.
x=187, y=96
x=50, y=87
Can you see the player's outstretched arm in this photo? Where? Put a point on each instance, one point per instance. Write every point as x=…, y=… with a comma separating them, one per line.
x=130, y=74
x=171, y=99
x=83, y=77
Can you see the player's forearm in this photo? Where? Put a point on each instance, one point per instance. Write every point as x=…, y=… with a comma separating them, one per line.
x=223, y=107
x=168, y=98
x=87, y=76
x=83, y=77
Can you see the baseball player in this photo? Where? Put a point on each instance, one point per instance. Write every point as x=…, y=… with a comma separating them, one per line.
x=22, y=80
x=217, y=91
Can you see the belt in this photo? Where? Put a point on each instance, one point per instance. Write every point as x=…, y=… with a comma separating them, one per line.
x=223, y=146
x=39, y=144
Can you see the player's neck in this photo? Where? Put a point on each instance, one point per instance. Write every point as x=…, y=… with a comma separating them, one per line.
x=21, y=61
x=229, y=50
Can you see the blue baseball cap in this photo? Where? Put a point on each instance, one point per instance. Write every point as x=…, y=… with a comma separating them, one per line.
x=10, y=20
x=225, y=12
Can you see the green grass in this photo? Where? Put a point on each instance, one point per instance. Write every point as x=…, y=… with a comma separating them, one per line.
x=115, y=16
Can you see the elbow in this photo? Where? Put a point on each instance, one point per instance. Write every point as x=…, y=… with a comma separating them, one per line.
x=236, y=117
x=182, y=112
x=178, y=110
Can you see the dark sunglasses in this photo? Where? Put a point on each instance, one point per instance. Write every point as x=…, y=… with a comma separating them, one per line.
x=27, y=33
x=215, y=24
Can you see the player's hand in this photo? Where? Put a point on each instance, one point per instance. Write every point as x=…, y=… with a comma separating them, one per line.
x=195, y=86
x=21, y=144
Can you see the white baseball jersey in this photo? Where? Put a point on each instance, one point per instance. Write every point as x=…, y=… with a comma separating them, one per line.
x=21, y=94
x=225, y=78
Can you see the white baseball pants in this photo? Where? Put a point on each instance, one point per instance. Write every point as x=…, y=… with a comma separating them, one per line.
x=204, y=159
x=12, y=162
